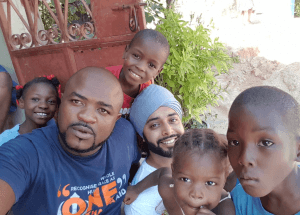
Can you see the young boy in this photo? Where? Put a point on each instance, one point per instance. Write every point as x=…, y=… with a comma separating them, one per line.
x=264, y=145
x=143, y=61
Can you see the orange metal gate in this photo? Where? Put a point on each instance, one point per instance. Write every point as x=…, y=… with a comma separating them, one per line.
x=69, y=47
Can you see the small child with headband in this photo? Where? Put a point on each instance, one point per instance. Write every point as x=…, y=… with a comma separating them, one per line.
x=40, y=99
x=195, y=183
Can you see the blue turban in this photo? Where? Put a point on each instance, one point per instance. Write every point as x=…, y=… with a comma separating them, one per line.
x=147, y=102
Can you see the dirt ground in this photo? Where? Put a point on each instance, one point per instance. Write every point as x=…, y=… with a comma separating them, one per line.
x=269, y=55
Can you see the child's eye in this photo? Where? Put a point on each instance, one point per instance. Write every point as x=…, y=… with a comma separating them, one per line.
x=185, y=179
x=35, y=99
x=152, y=65
x=265, y=143
x=136, y=56
x=52, y=102
x=210, y=183
x=233, y=143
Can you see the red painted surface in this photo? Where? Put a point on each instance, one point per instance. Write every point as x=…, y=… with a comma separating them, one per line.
x=64, y=59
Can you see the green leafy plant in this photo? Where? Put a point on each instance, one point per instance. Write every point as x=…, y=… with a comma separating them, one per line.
x=153, y=10
x=297, y=8
x=194, y=62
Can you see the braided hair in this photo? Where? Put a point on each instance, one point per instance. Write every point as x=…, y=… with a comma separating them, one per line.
x=199, y=141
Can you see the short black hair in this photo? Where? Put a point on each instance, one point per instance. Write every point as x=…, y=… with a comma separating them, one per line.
x=152, y=35
x=54, y=83
x=271, y=99
x=199, y=141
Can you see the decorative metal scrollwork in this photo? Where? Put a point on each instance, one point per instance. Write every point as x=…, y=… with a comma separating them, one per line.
x=48, y=36
x=74, y=30
x=87, y=29
x=77, y=31
x=61, y=32
x=20, y=40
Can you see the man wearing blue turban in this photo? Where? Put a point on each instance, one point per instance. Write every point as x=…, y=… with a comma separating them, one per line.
x=156, y=116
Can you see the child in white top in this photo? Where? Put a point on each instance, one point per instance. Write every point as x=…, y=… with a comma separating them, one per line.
x=195, y=183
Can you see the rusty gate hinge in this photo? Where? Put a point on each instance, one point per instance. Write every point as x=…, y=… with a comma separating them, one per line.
x=133, y=21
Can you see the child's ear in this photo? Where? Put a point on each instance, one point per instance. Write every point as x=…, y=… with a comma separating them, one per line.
x=125, y=51
x=157, y=73
x=21, y=103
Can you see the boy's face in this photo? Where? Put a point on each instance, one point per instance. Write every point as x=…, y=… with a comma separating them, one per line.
x=261, y=150
x=143, y=61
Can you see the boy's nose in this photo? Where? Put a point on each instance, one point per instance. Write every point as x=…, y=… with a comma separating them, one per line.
x=87, y=115
x=247, y=155
x=142, y=66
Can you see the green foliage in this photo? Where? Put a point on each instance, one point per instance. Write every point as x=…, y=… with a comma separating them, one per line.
x=297, y=8
x=75, y=12
x=153, y=10
x=194, y=62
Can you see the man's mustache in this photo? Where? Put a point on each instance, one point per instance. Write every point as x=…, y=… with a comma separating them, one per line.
x=162, y=139
x=82, y=124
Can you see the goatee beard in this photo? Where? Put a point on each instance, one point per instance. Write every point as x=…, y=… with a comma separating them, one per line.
x=80, y=151
x=156, y=149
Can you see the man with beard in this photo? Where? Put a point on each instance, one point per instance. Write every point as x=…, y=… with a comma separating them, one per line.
x=80, y=166
x=156, y=116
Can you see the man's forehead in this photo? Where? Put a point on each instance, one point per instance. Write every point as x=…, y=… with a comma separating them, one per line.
x=93, y=87
x=162, y=112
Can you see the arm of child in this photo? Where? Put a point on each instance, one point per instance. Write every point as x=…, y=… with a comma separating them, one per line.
x=5, y=97
x=149, y=181
x=7, y=197
x=167, y=194
x=225, y=207
x=230, y=182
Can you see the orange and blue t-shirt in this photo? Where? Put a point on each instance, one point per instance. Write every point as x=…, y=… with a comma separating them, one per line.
x=48, y=180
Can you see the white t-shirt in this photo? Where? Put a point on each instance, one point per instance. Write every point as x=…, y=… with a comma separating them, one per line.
x=147, y=201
